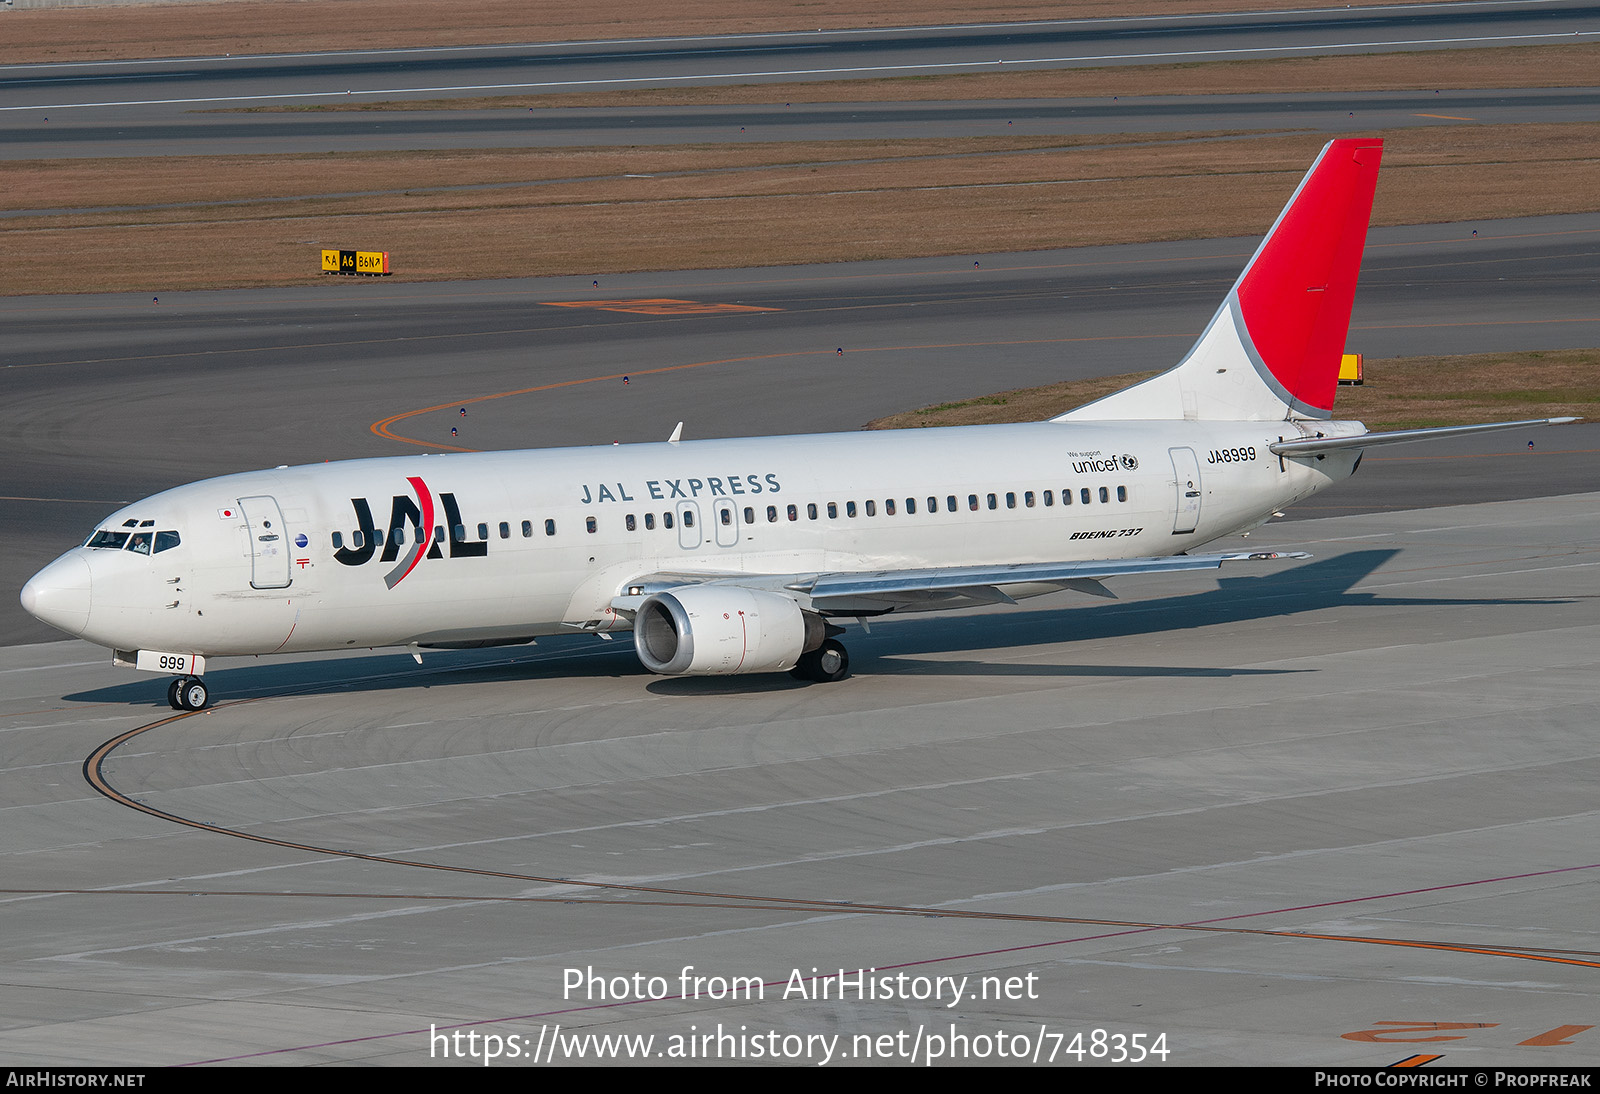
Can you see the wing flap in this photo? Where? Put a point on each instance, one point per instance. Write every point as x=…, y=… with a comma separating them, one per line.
x=940, y=588
x=828, y=589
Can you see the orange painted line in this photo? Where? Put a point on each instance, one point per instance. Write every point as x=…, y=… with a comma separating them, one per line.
x=1447, y=117
x=1557, y=1036
x=381, y=428
x=1417, y=1061
x=1483, y=951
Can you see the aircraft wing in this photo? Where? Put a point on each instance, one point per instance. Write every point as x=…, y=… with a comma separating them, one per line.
x=880, y=591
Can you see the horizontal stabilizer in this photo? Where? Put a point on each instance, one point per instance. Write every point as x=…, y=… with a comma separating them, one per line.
x=1316, y=446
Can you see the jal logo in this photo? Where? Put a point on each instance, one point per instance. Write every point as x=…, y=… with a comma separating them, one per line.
x=416, y=513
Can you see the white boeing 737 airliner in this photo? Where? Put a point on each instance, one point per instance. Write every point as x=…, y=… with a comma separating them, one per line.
x=733, y=556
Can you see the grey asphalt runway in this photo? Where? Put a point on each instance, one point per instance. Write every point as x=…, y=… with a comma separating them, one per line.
x=171, y=107
x=822, y=55
x=197, y=133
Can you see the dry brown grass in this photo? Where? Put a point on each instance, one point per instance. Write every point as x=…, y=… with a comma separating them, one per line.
x=1399, y=393
x=292, y=26
x=727, y=205
x=1525, y=66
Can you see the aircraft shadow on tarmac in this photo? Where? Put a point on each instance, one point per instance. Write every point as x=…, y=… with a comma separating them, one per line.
x=889, y=649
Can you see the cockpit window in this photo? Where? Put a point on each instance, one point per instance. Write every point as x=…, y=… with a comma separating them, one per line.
x=143, y=541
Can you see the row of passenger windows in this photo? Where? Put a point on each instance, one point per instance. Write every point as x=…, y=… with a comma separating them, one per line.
x=952, y=503
x=1029, y=499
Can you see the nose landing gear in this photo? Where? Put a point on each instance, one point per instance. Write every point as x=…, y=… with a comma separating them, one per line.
x=188, y=693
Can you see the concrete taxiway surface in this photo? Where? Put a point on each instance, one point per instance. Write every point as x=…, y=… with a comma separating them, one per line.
x=1363, y=785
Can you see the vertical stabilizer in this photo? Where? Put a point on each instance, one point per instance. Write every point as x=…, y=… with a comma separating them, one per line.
x=1272, y=350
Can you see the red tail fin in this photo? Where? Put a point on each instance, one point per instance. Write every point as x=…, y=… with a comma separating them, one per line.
x=1296, y=293
x=1272, y=350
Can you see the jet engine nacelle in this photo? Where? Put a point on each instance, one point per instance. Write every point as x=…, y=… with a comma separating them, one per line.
x=720, y=630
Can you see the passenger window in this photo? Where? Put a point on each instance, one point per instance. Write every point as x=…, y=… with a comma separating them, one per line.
x=911, y=507
x=398, y=536
x=1011, y=501
x=1049, y=498
x=1083, y=495
x=872, y=508
x=772, y=514
x=505, y=530
x=649, y=522
x=749, y=515
x=991, y=501
x=438, y=533
x=1066, y=497
x=850, y=509
x=549, y=527
x=632, y=524
x=1105, y=495
x=357, y=540
x=589, y=523
x=888, y=507
x=338, y=541
x=527, y=529
x=726, y=514
x=483, y=531
x=833, y=510
x=688, y=518
x=1027, y=499
x=1122, y=493
x=794, y=514
x=811, y=510
x=972, y=502
x=666, y=520
x=950, y=502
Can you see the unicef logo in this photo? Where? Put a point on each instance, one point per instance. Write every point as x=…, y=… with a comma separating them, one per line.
x=1129, y=463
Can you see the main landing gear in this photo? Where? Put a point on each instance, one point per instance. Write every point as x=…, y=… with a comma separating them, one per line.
x=188, y=693
x=825, y=664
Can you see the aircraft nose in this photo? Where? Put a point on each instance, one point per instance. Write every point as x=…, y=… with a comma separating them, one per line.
x=59, y=595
